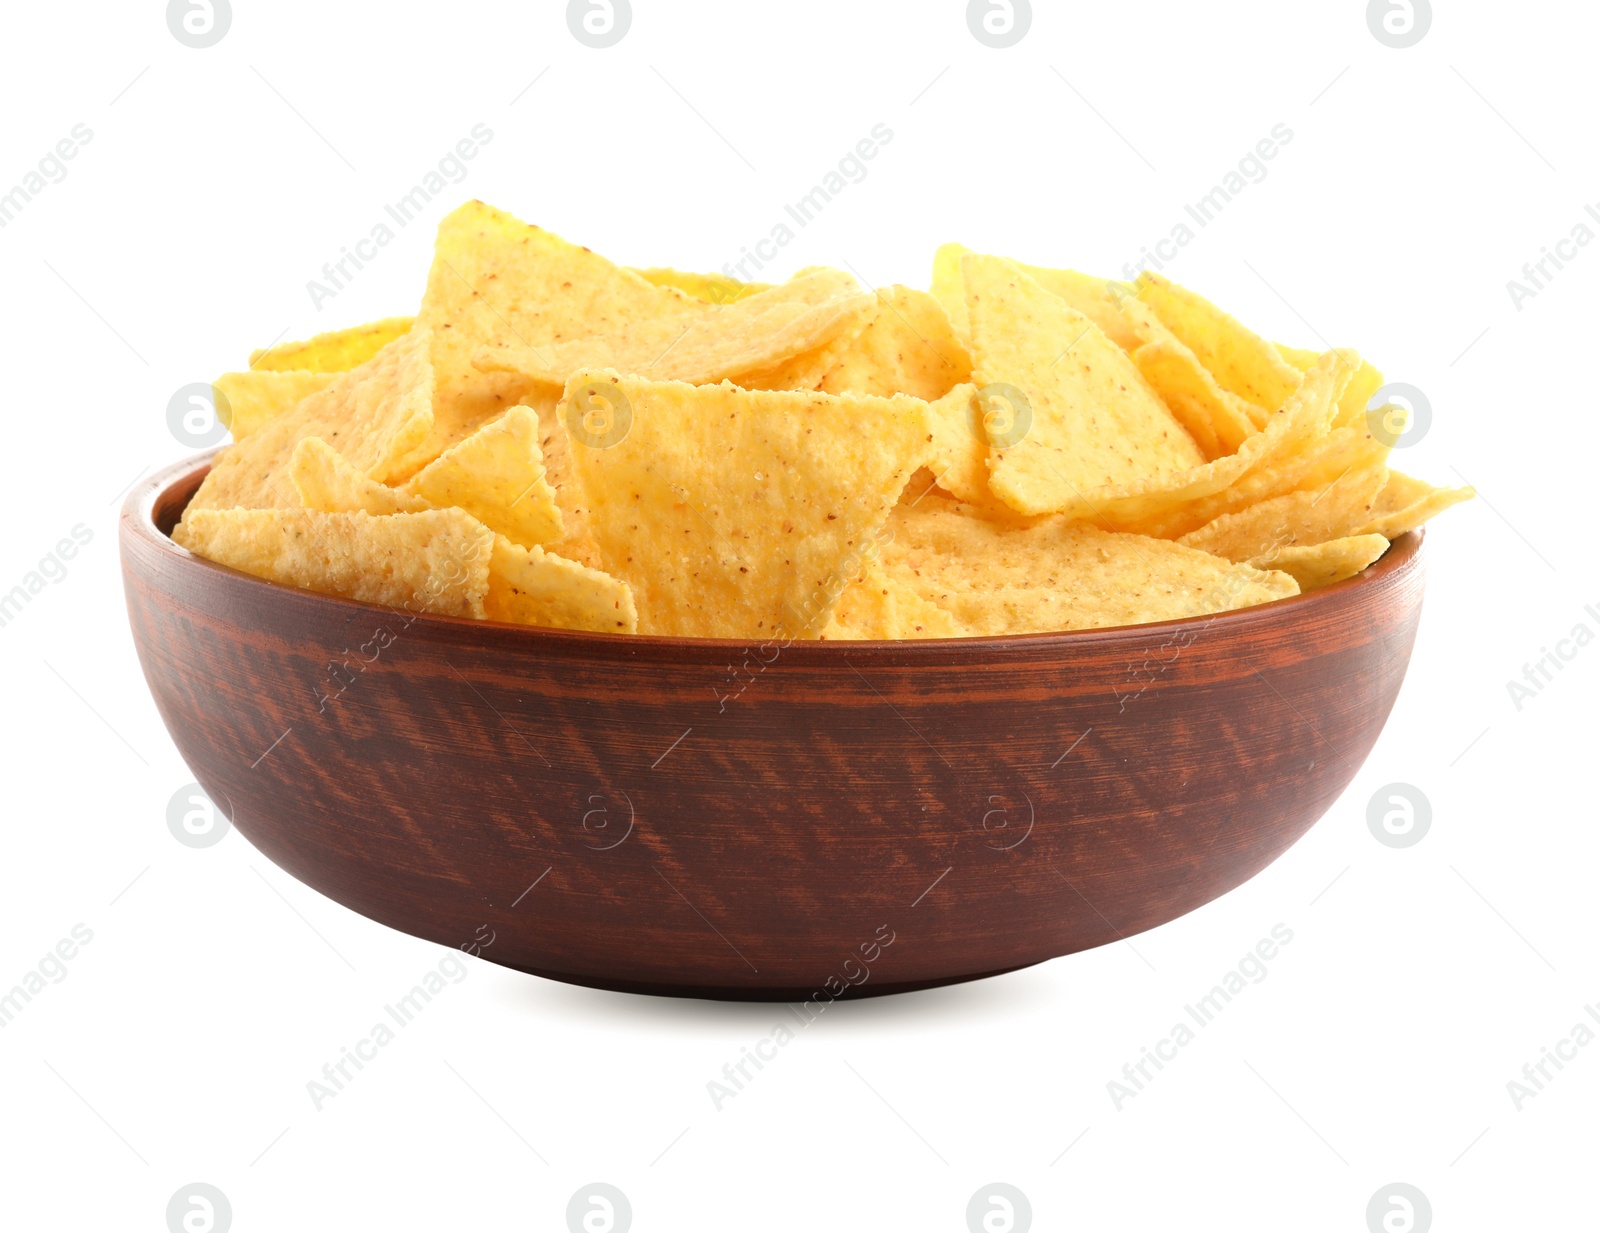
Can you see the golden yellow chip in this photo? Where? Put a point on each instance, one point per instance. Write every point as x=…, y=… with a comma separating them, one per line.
x=436, y=561
x=712, y=288
x=1314, y=463
x=906, y=348
x=253, y=398
x=1406, y=503
x=876, y=606
x=327, y=482
x=1243, y=362
x=1098, y=299
x=1353, y=405
x=1320, y=565
x=737, y=513
x=1296, y=426
x=529, y=586
x=1081, y=417
x=758, y=332
x=498, y=476
x=500, y=282
x=807, y=370
x=1056, y=573
x=556, y=440
x=1300, y=357
x=1217, y=420
x=336, y=351
x=960, y=454
x=375, y=415
x=1307, y=516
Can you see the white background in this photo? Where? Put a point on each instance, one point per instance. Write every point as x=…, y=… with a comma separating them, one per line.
x=178, y=1046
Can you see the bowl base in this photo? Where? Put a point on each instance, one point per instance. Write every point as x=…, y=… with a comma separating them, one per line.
x=741, y=993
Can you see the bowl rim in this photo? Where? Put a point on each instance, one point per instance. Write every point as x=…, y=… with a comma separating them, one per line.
x=137, y=521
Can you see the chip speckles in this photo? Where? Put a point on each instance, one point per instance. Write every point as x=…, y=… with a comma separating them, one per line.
x=1095, y=423
x=436, y=561
x=1055, y=573
x=498, y=476
x=762, y=555
x=375, y=415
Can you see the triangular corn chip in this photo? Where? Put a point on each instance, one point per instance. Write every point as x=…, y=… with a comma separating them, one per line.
x=1353, y=404
x=1218, y=421
x=529, y=586
x=1296, y=426
x=374, y=415
x=1096, y=298
x=737, y=513
x=907, y=348
x=960, y=454
x=326, y=482
x=1243, y=362
x=1095, y=422
x=1406, y=503
x=1055, y=573
x=253, y=398
x=335, y=351
x=712, y=288
x=807, y=370
x=876, y=606
x=1320, y=565
x=1313, y=464
x=500, y=282
x=436, y=561
x=757, y=332
x=498, y=476
x=1308, y=516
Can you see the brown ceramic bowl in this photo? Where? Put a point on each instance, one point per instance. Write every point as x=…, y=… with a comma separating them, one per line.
x=670, y=815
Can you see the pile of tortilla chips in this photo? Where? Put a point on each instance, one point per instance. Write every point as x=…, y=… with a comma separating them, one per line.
x=556, y=440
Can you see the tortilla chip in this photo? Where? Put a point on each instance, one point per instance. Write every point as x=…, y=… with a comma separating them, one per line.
x=712, y=288
x=326, y=482
x=1243, y=362
x=1298, y=356
x=499, y=282
x=555, y=445
x=336, y=351
x=1217, y=420
x=253, y=398
x=1314, y=464
x=1096, y=424
x=374, y=415
x=807, y=370
x=759, y=332
x=1320, y=565
x=1293, y=428
x=498, y=476
x=1406, y=503
x=436, y=561
x=737, y=513
x=906, y=348
x=1056, y=573
x=876, y=606
x=1353, y=405
x=1098, y=299
x=1307, y=516
x=960, y=455
x=529, y=586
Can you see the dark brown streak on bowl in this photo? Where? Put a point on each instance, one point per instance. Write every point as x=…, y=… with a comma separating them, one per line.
x=760, y=846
